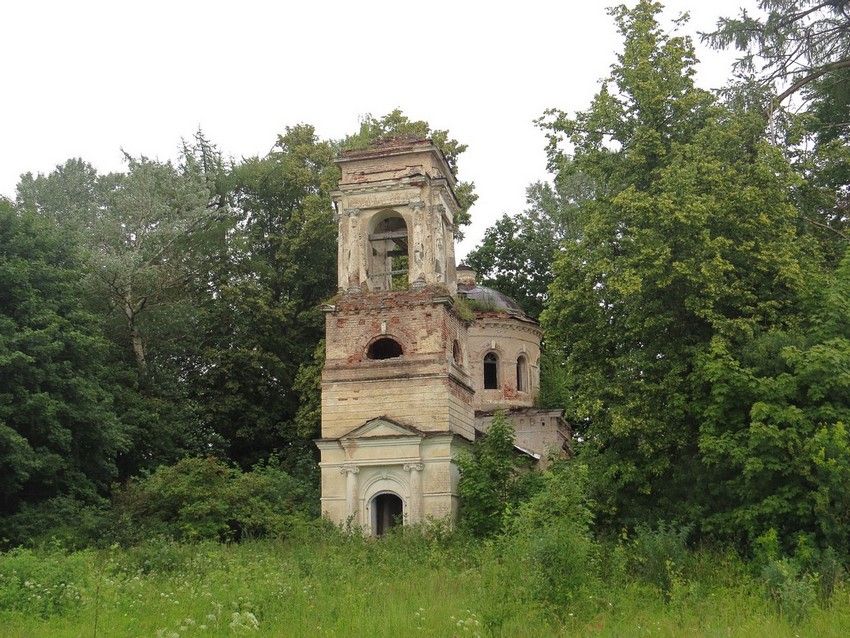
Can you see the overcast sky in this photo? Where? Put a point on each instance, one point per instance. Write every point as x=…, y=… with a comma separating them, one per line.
x=85, y=78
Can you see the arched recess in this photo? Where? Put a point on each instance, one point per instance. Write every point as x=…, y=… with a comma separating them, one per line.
x=457, y=353
x=384, y=347
x=491, y=371
x=522, y=381
x=384, y=483
x=388, y=255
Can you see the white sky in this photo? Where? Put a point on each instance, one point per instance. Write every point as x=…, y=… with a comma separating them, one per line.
x=87, y=78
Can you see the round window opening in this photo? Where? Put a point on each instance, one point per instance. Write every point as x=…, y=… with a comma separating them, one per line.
x=384, y=348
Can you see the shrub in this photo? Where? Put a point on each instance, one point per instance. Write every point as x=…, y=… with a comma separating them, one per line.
x=794, y=593
x=204, y=499
x=657, y=555
x=493, y=478
x=550, y=539
x=71, y=523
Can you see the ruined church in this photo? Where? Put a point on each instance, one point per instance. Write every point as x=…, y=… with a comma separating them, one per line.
x=418, y=355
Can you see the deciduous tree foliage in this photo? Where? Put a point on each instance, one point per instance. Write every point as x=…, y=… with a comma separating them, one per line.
x=494, y=478
x=59, y=431
x=265, y=321
x=774, y=432
x=690, y=239
x=517, y=252
x=802, y=48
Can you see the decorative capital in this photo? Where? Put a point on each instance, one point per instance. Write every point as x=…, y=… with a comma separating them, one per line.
x=413, y=467
x=349, y=469
x=351, y=212
x=416, y=204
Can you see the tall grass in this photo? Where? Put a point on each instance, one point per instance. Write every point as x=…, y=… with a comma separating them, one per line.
x=324, y=583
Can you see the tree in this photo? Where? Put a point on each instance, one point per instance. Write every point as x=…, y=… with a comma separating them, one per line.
x=151, y=244
x=145, y=233
x=803, y=47
x=493, y=477
x=396, y=123
x=59, y=431
x=774, y=431
x=71, y=196
x=796, y=41
x=265, y=320
x=690, y=235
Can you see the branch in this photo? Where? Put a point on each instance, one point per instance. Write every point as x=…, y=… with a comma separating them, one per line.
x=811, y=77
x=802, y=14
x=827, y=227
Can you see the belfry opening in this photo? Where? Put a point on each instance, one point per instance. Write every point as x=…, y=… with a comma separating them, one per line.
x=389, y=260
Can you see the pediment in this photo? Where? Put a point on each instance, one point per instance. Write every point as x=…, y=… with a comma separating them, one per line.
x=381, y=427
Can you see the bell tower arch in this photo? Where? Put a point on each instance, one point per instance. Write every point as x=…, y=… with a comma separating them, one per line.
x=400, y=185
x=397, y=398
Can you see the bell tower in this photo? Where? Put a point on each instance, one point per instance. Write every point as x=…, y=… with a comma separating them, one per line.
x=397, y=399
x=396, y=205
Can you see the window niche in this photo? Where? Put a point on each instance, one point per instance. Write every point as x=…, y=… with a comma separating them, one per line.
x=522, y=373
x=491, y=371
x=384, y=348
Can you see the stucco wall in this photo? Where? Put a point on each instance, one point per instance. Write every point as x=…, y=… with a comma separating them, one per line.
x=508, y=337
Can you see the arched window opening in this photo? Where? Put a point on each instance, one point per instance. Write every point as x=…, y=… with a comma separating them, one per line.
x=384, y=348
x=456, y=353
x=387, y=512
x=388, y=244
x=491, y=371
x=522, y=374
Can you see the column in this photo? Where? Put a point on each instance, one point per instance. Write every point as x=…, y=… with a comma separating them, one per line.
x=416, y=237
x=415, y=500
x=350, y=472
x=352, y=242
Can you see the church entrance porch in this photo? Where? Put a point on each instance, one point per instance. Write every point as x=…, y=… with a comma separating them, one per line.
x=387, y=512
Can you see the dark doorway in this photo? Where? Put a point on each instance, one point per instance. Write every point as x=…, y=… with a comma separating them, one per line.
x=389, y=512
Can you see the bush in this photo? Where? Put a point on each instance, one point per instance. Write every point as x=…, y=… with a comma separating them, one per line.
x=794, y=593
x=657, y=556
x=550, y=539
x=62, y=520
x=204, y=499
x=493, y=479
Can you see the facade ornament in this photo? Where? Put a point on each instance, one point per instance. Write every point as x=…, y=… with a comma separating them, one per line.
x=349, y=469
x=414, y=467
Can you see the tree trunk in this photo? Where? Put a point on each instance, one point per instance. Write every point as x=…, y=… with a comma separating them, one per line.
x=135, y=334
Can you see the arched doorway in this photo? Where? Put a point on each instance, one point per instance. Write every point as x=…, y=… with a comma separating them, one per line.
x=387, y=512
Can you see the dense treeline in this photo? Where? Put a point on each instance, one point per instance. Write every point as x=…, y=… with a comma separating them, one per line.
x=688, y=261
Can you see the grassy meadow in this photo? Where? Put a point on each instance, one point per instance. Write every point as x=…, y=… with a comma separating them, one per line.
x=324, y=583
